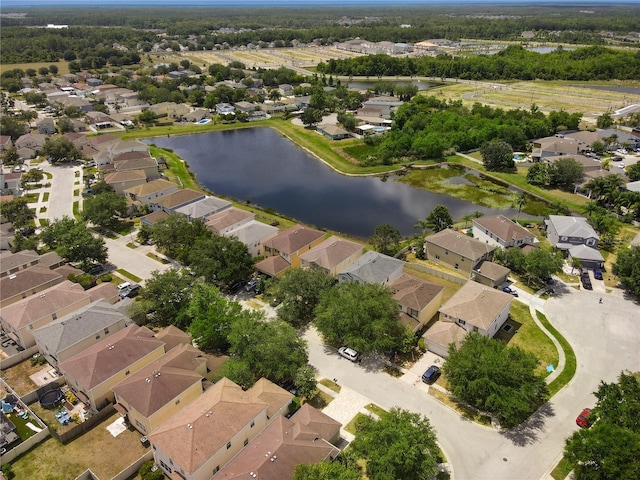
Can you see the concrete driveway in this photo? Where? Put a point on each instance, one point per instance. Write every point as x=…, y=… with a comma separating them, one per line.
x=605, y=338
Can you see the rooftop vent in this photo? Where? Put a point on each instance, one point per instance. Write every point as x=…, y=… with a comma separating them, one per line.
x=11, y=277
x=189, y=426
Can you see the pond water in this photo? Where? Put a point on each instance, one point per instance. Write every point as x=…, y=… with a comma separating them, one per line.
x=261, y=166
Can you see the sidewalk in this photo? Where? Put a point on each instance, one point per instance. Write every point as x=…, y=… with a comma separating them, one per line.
x=344, y=407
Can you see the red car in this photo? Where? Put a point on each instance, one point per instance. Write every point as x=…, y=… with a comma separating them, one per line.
x=583, y=419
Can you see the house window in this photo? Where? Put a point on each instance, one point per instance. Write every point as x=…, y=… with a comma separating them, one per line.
x=461, y=322
x=97, y=336
x=216, y=470
x=590, y=242
x=106, y=331
x=437, y=257
x=413, y=313
x=228, y=445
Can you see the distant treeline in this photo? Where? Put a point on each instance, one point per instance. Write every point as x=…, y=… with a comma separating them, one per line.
x=427, y=127
x=513, y=63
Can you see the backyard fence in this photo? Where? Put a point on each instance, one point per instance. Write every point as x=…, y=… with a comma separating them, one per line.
x=83, y=427
x=18, y=357
x=134, y=467
x=437, y=273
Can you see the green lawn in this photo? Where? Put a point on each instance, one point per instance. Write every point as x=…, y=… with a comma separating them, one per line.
x=570, y=365
x=330, y=384
x=129, y=275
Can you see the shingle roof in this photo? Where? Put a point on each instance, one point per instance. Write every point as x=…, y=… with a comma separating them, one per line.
x=272, y=266
x=152, y=387
x=51, y=300
x=567, y=226
x=177, y=199
x=26, y=279
x=476, y=304
x=271, y=394
x=111, y=355
x=203, y=208
x=331, y=252
x=195, y=433
x=125, y=176
x=9, y=261
x=463, y=245
x=493, y=271
x=226, y=218
x=252, y=232
x=155, y=217
x=83, y=323
x=293, y=239
x=135, y=164
x=503, y=228
x=150, y=187
x=373, y=267
x=414, y=292
x=172, y=336
x=583, y=252
x=444, y=333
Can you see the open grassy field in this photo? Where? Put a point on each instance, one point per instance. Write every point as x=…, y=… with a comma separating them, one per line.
x=63, y=66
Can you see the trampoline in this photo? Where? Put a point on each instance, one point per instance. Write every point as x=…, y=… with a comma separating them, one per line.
x=51, y=398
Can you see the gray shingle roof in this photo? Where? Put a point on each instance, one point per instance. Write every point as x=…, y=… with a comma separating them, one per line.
x=372, y=267
x=577, y=227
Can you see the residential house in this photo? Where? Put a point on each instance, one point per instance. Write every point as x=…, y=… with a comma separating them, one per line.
x=151, y=219
x=332, y=255
x=66, y=101
x=120, y=181
x=10, y=182
x=442, y=334
x=283, y=444
x=477, y=308
x=332, y=131
x=565, y=232
x=32, y=141
x=172, y=110
x=173, y=337
x=171, y=202
x=290, y=244
x=245, y=107
x=373, y=267
x=253, y=234
x=224, y=109
x=418, y=299
x=200, y=439
x=155, y=393
x=46, y=126
x=499, y=231
x=285, y=89
x=196, y=115
x=386, y=104
x=147, y=164
x=228, y=219
x=202, y=209
x=491, y=274
x=93, y=372
x=145, y=193
x=29, y=281
x=553, y=146
x=7, y=234
x=14, y=262
x=586, y=256
x=20, y=319
x=70, y=334
x=457, y=251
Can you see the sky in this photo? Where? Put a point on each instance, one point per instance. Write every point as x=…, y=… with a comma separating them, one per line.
x=299, y=3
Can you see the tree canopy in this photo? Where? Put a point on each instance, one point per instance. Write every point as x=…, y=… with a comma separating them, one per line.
x=386, y=239
x=328, y=470
x=627, y=268
x=61, y=150
x=17, y=211
x=220, y=259
x=439, y=219
x=298, y=293
x=610, y=448
x=497, y=156
x=73, y=240
x=362, y=316
x=495, y=378
x=104, y=209
x=401, y=445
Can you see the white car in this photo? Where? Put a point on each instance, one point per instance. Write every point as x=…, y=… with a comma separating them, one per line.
x=349, y=354
x=621, y=165
x=123, y=286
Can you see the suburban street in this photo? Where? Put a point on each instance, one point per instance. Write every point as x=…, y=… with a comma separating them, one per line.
x=604, y=337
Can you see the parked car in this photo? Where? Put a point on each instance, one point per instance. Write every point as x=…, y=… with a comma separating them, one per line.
x=123, y=286
x=95, y=269
x=349, y=354
x=251, y=285
x=597, y=274
x=510, y=290
x=130, y=292
x=583, y=420
x=617, y=159
x=586, y=282
x=431, y=375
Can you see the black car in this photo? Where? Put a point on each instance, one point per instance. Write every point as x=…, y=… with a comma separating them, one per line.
x=95, y=269
x=431, y=375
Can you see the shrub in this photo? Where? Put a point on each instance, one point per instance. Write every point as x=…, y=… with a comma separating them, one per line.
x=71, y=397
x=146, y=472
x=106, y=278
x=421, y=345
x=294, y=406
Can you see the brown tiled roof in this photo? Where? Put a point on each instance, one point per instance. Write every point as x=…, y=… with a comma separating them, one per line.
x=293, y=239
x=9, y=261
x=172, y=336
x=317, y=421
x=155, y=217
x=195, y=433
x=66, y=270
x=461, y=244
x=503, y=228
x=178, y=198
x=331, y=252
x=136, y=154
x=51, y=300
x=150, y=187
x=414, y=292
x=104, y=290
x=272, y=266
x=109, y=356
x=275, y=452
x=492, y=270
x=221, y=220
x=49, y=259
x=125, y=176
x=476, y=304
x=135, y=164
x=160, y=382
x=444, y=333
x=26, y=279
x=270, y=393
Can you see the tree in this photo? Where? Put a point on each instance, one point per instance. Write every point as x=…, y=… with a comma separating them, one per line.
x=495, y=378
x=348, y=121
x=32, y=175
x=305, y=381
x=17, y=211
x=566, y=173
x=439, y=219
x=65, y=125
x=148, y=116
x=627, y=269
x=74, y=241
x=175, y=235
x=540, y=174
x=164, y=300
x=311, y=116
x=611, y=447
x=362, y=316
x=540, y=264
x=401, y=445
x=212, y=316
x=634, y=172
x=274, y=95
x=104, y=209
x=61, y=150
x=386, y=239
x=12, y=127
x=298, y=293
x=11, y=157
x=497, y=156
x=220, y=259
x=604, y=121
x=598, y=147
x=334, y=470
x=272, y=349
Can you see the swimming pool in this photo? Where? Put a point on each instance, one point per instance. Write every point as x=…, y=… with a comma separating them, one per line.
x=204, y=121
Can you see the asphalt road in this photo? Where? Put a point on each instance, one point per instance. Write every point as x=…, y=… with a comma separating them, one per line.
x=605, y=338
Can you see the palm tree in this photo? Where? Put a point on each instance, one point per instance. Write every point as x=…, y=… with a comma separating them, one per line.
x=467, y=220
x=590, y=208
x=519, y=202
x=423, y=225
x=274, y=95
